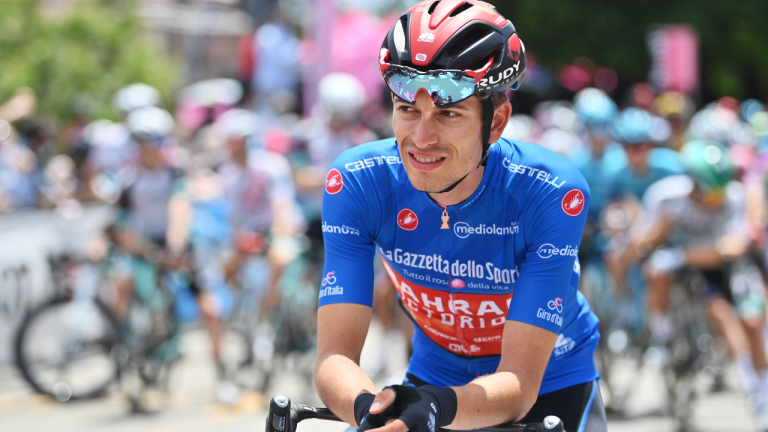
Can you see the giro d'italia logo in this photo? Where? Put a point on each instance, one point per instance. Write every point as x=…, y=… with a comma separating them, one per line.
x=556, y=305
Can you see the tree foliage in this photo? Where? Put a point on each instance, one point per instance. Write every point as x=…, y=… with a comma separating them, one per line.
x=733, y=37
x=92, y=48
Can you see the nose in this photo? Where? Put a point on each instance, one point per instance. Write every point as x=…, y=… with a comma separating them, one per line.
x=426, y=132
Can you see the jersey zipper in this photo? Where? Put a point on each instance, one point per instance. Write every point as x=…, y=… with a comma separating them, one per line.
x=446, y=217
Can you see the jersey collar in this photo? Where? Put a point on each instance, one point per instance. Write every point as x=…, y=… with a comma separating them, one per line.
x=488, y=175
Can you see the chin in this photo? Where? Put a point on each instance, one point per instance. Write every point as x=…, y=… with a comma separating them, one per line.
x=422, y=183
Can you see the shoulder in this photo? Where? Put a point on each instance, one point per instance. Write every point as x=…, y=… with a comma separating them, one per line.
x=371, y=166
x=526, y=167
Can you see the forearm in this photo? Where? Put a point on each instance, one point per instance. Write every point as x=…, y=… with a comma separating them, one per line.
x=703, y=257
x=492, y=400
x=339, y=380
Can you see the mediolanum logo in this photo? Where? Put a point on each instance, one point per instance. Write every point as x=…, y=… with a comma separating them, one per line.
x=464, y=230
x=548, y=250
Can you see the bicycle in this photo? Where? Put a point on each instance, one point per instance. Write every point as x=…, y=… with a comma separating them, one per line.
x=257, y=344
x=691, y=347
x=285, y=416
x=73, y=347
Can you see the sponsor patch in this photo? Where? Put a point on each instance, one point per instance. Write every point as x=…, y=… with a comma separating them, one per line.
x=464, y=230
x=421, y=57
x=464, y=323
x=407, y=220
x=563, y=345
x=334, y=182
x=573, y=202
x=344, y=229
x=548, y=250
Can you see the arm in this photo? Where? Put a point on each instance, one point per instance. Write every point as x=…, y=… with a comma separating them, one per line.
x=342, y=329
x=508, y=394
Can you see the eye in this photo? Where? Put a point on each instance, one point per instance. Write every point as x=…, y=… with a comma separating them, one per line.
x=450, y=114
x=405, y=108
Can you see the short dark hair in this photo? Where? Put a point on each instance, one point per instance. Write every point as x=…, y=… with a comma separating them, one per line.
x=497, y=98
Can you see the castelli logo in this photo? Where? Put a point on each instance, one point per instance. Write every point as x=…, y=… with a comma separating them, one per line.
x=573, y=202
x=334, y=182
x=421, y=57
x=458, y=284
x=407, y=220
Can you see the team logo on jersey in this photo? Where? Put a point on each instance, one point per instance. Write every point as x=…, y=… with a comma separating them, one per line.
x=556, y=304
x=457, y=284
x=407, y=220
x=334, y=182
x=573, y=202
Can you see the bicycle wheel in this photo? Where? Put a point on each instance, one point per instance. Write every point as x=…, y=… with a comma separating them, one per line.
x=69, y=349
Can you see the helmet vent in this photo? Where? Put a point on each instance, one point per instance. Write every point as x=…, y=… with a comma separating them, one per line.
x=400, y=34
x=464, y=6
x=432, y=7
x=470, y=37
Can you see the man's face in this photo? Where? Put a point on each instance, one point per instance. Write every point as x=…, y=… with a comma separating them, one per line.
x=151, y=156
x=236, y=146
x=438, y=145
x=637, y=155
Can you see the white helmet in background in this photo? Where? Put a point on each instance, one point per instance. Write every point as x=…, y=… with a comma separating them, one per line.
x=238, y=123
x=150, y=122
x=135, y=96
x=341, y=96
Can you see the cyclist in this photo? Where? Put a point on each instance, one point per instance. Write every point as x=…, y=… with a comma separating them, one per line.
x=460, y=225
x=645, y=165
x=143, y=230
x=698, y=221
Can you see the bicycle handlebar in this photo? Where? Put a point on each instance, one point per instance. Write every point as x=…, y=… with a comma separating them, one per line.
x=285, y=416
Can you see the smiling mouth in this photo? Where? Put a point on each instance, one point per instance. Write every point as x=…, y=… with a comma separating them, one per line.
x=426, y=160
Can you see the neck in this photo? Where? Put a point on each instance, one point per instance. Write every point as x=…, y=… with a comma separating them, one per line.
x=463, y=191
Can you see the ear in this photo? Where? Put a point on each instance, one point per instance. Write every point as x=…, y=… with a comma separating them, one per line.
x=500, y=119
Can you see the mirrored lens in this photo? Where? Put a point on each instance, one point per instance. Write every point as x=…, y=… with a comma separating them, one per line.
x=444, y=87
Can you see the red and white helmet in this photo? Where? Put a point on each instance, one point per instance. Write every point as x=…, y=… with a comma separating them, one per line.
x=458, y=35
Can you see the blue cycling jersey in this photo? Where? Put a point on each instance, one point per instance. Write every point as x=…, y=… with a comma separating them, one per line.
x=506, y=253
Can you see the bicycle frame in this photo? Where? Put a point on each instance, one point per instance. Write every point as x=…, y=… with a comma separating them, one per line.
x=284, y=416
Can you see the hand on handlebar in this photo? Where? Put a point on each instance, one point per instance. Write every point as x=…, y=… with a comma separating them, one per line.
x=400, y=408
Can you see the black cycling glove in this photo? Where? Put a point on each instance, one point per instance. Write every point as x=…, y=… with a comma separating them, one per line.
x=423, y=409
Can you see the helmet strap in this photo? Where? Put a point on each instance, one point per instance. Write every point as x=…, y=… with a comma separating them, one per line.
x=488, y=112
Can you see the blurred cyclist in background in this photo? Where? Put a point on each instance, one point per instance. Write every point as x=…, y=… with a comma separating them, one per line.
x=596, y=161
x=697, y=222
x=143, y=230
x=637, y=130
x=335, y=127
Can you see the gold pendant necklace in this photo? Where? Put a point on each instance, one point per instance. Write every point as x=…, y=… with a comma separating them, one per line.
x=445, y=219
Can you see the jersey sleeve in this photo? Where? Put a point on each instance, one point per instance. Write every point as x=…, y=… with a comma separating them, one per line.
x=348, y=236
x=556, y=223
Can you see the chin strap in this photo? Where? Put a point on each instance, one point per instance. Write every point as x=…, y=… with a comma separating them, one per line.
x=488, y=112
x=487, y=123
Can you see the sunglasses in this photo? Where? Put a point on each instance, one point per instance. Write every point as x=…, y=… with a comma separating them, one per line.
x=443, y=86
